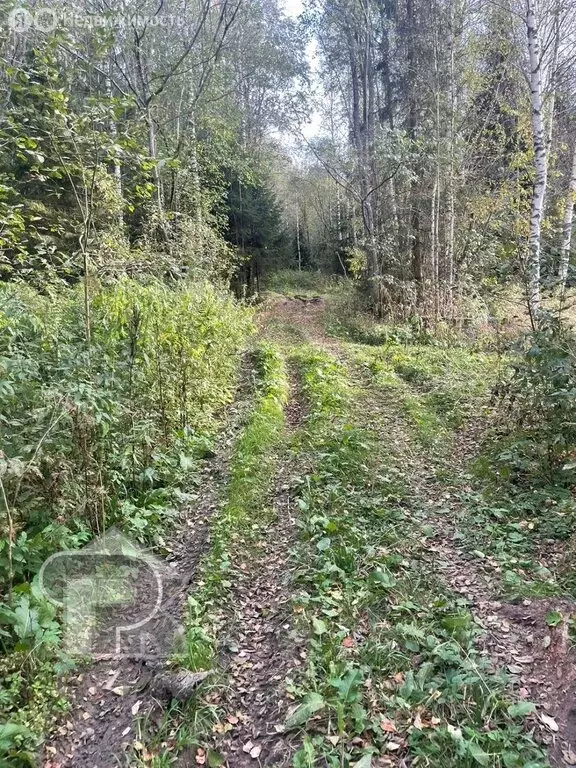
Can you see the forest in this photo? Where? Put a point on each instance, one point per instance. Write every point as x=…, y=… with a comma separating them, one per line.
x=287, y=383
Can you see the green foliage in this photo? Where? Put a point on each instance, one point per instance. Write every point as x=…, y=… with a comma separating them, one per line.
x=539, y=433
x=56, y=188
x=92, y=435
x=392, y=659
x=97, y=435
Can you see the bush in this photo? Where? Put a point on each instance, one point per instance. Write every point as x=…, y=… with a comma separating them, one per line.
x=539, y=441
x=104, y=433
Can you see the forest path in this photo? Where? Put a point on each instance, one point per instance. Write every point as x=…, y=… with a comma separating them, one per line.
x=514, y=637
x=111, y=698
x=319, y=662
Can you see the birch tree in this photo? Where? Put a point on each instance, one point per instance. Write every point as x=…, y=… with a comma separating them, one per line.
x=567, y=225
x=539, y=139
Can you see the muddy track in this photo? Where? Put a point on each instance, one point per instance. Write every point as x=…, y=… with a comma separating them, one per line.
x=262, y=646
x=108, y=695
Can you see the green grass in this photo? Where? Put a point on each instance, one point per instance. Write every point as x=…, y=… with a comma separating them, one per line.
x=392, y=665
x=307, y=283
x=438, y=389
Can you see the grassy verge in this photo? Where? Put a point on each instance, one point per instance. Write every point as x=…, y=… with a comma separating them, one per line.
x=392, y=667
x=245, y=510
x=438, y=389
x=95, y=435
x=306, y=283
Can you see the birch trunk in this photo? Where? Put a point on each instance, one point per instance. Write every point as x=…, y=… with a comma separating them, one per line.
x=150, y=124
x=567, y=225
x=553, y=83
x=450, y=186
x=298, y=240
x=195, y=174
x=113, y=128
x=540, y=159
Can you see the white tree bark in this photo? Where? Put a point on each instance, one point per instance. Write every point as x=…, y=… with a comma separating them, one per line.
x=539, y=139
x=567, y=226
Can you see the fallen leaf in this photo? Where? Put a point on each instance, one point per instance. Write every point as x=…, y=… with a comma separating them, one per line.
x=549, y=722
x=114, y=674
x=364, y=762
x=387, y=725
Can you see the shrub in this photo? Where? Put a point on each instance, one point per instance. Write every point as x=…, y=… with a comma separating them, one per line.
x=539, y=441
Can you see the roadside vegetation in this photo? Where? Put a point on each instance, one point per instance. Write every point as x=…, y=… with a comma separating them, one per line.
x=96, y=434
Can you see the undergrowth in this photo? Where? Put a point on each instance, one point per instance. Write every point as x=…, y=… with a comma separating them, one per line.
x=392, y=667
x=95, y=432
x=523, y=476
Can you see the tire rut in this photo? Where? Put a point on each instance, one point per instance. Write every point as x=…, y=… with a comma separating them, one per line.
x=515, y=637
x=263, y=646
